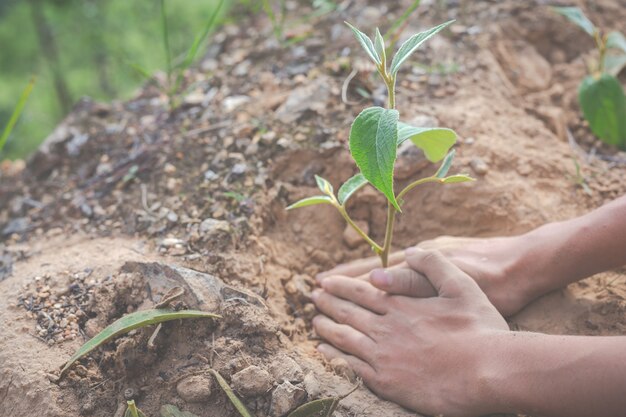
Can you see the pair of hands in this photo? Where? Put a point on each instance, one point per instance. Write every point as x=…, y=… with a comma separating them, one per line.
x=418, y=332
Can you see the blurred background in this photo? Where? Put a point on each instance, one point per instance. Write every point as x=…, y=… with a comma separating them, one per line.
x=99, y=48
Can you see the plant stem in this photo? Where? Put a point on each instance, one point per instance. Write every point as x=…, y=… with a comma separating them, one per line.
x=416, y=183
x=364, y=235
x=166, y=42
x=601, y=44
x=391, y=217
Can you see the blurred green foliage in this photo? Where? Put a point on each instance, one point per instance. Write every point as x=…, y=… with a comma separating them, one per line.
x=83, y=48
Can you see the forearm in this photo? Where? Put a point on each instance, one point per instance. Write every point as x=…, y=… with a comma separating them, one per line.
x=578, y=248
x=554, y=376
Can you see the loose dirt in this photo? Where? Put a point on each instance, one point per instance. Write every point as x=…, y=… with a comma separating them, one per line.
x=125, y=199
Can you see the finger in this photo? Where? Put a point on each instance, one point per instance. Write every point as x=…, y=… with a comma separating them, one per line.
x=402, y=281
x=359, y=366
x=447, y=279
x=358, y=291
x=343, y=311
x=361, y=266
x=344, y=337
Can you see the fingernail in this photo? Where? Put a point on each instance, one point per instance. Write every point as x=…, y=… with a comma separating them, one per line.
x=412, y=251
x=380, y=277
x=319, y=278
x=315, y=294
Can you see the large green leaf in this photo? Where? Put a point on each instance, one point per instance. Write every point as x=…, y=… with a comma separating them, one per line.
x=373, y=143
x=614, y=64
x=350, y=187
x=445, y=165
x=311, y=201
x=241, y=408
x=575, y=15
x=616, y=40
x=412, y=44
x=434, y=141
x=604, y=106
x=366, y=43
x=130, y=322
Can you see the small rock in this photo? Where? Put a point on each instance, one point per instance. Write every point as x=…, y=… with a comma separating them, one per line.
x=312, y=385
x=172, y=217
x=239, y=169
x=341, y=367
x=479, y=166
x=252, y=381
x=210, y=175
x=212, y=227
x=195, y=388
x=285, y=368
x=169, y=242
x=285, y=398
x=169, y=168
x=352, y=238
x=231, y=103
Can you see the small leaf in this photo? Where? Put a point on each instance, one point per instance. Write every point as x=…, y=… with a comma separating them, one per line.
x=130, y=322
x=445, y=165
x=373, y=143
x=604, y=106
x=132, y=410
x=434, y=141
x=614, y=64
x=169, y=410
x=412, y=44
x=575, y=15
x=458, y=178
x=366, y=43
x=17, y=111
x=318, y=408
x=616, y=40
x=325, y=186
x=231, y=395
x=379, y=46
x=350, y=187
x=311, y=201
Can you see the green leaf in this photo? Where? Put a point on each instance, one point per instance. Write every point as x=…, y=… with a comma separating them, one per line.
x=311, y=201
x=17, y=111
x=379, y=46
x=614, y=64
x=318, y=408
x=458, y=178
x=373, y=143
x=434, y=141
x=325, y=186
x=575, y=15
x=445, y=165
x=132, y=410
x=130, y=322
x=616, y=40
x=366, y=43
x=412, y=44
x=231, y=395
x=350, y=187
x=604, y=106
x=169, y=410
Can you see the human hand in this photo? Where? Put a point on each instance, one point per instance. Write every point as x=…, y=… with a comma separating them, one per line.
x=499, y=266
x=425, y=353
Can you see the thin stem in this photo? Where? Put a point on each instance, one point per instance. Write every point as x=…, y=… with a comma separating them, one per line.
x=166, y=42
x=364, y=235
x=416, y=183
x=601, y=44
x=391, y=217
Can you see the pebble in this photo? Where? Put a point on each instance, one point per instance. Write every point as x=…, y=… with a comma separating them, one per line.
x=195, y=388
x=285, y=368
x=252, y=381
x=312, y=385
x=285, y=398
x=479, y=166
x=341, y=367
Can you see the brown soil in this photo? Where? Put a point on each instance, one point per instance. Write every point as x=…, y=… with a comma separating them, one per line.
x=118, y=187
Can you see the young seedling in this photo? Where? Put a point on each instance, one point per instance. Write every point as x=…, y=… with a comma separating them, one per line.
x=17, y=111
x=375, y=136
x=132, y=410
x=600, y=94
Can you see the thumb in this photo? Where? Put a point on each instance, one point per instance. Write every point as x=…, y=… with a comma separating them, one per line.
x=446, y=278
x=402, y=281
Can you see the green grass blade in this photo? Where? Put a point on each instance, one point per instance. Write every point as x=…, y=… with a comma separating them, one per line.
x=399, y=21
x=130, y=322
x=166, y=40
x=231, y=395
x=193, y=51
x=17, y=111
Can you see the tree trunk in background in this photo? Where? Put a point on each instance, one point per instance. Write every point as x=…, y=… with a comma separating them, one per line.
x=48, y=47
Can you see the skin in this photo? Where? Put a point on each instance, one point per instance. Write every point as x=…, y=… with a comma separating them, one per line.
x=429, y=334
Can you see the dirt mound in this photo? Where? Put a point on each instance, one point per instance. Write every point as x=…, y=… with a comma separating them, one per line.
x=118, y=191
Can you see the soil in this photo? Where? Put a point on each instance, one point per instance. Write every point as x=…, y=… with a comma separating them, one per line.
x=123, y=197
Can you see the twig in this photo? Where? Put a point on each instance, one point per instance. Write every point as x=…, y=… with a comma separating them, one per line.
x=344, y=88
